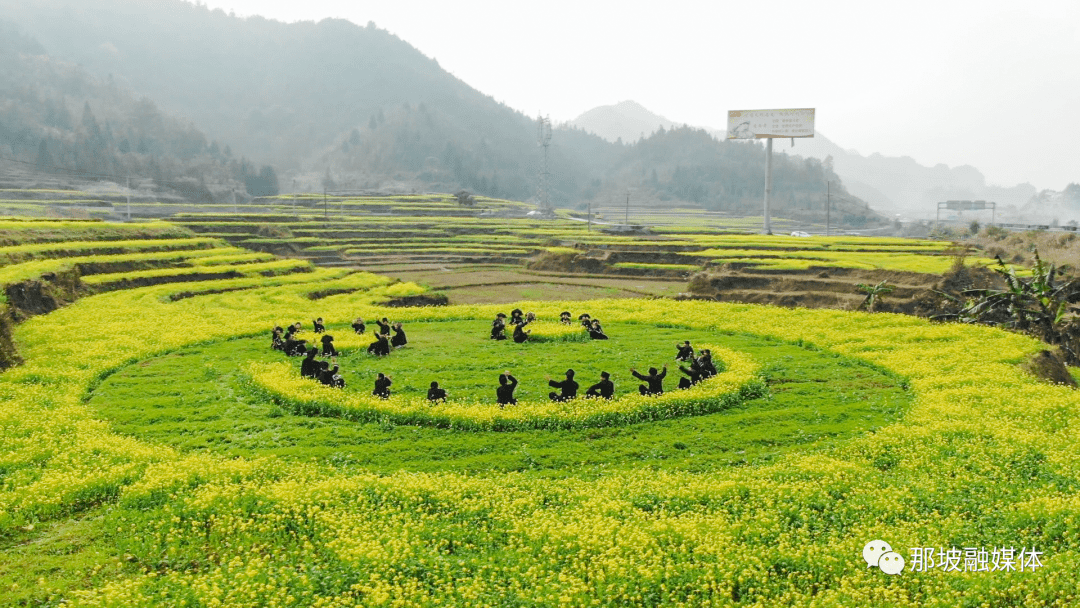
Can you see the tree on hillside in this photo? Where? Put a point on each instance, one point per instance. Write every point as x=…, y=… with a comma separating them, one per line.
x=263, y=183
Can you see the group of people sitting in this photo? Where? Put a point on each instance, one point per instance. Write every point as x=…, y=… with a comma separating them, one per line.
x=286, y=341
x=384, y=342
x=591, y=325
x=519, y=320
x=700, y=368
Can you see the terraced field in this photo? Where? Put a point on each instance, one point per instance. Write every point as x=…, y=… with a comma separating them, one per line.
x=156, y=451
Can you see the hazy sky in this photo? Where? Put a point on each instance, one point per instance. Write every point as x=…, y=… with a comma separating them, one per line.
x=992, y=84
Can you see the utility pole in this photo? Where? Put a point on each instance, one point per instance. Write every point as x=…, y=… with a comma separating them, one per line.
x=768, y=182
x=828, y=207
x=129, y=198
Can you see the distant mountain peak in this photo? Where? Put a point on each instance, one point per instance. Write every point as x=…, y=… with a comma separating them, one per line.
x=627, y=120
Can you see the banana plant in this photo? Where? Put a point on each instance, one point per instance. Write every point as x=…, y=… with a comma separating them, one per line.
x=1038, y=305
x=873, y=293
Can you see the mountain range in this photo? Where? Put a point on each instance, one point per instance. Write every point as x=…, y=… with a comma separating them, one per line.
x=340, y=106
x=892, y=185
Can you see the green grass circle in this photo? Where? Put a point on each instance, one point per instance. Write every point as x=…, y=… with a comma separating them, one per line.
x=815, y=399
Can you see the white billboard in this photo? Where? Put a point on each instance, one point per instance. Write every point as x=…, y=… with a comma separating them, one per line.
x=756, y=124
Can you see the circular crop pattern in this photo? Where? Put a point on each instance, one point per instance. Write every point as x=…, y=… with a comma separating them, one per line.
x=103, y=419
x=461, y=357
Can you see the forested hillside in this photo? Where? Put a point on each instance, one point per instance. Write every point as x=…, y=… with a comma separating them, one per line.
x=57, y=120
x=329, y=105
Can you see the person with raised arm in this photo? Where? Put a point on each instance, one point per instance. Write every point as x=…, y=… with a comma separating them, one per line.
x=358, y=326
x=654, y=380
x=382, y=386
x=567, y=388
x=693, y=375
x=686, y=352
x=505, y=393
x=330, y=377
x=319, y=327
x=381, y=346
x=705, y=364
x=399, y=338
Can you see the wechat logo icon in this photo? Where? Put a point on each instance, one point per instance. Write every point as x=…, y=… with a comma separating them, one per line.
x=878, y=553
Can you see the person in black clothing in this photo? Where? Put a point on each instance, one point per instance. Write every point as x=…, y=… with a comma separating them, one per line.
x=686, y=352
x=694, y=375
x=605, y=388
x=384, y=326
x=498, y=327
x=586, y=320
x=328, y=346
x=358, y=326
x=505, y=392
x=520, y=335
x=319, y=327
x=295, y=348
x=329, y=375
x=289, y=344
x=338, y=381
x=399, y=338
x=516, y=317
x=382, y=386
x=435, y=393
x=276, y=342
x=655, y=381
x=565, y=318
x=567, y=388
x=705, y=364
x=380, y=347
x=309, y=366
x=596, y=332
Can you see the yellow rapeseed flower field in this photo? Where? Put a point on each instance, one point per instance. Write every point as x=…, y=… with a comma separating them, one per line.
x=986, y=457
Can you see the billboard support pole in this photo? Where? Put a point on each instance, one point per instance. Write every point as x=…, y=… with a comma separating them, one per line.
x=768, y=182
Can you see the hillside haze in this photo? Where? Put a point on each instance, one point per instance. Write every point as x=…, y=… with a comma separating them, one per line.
x=889, y=184
x=339, y=106
x=626, y=121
